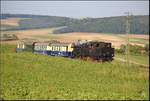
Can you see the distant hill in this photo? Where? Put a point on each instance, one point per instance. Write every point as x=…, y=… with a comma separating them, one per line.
x=139, y=24
x=4, y=16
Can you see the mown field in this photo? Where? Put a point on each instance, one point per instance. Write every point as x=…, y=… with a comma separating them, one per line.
x=47, y=34
x=36, y=76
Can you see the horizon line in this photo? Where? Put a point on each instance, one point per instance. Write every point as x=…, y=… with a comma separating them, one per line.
x=71, y=17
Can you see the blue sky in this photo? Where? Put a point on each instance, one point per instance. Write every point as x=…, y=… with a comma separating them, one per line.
x=76, y=9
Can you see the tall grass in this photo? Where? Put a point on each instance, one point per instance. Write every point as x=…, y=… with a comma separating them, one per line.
x=36, y=76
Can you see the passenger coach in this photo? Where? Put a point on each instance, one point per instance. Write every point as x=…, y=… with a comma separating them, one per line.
x=61, y=49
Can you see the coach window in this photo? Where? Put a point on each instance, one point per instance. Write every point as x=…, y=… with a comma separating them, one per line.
x=59, y=48
x=41, y=47
x=23, y=46
x=18, y=46
x=53, y=48
x=56, y=48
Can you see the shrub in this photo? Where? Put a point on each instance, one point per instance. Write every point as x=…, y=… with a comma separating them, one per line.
x=134, y=49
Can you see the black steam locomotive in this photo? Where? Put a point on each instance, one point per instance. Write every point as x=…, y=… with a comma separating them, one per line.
x=94, y=50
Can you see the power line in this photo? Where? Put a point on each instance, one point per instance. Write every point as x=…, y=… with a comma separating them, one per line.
x=127, y=50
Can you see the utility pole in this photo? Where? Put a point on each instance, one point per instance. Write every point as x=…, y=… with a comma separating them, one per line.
x=127, y=50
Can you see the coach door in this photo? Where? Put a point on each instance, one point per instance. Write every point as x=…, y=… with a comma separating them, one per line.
x=66, y=48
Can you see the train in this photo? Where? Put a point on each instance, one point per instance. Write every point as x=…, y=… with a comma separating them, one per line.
x=84, y=49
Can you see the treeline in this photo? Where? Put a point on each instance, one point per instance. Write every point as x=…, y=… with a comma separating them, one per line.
x=139, y=24
x=35, y=21
x=43, y=22
x=5, y=16
x=134, y=49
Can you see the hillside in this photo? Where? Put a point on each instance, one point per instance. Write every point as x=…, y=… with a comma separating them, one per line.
x=36, y=76
x=139, y=24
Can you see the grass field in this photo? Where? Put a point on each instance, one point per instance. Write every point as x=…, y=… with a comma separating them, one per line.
x=36, y=76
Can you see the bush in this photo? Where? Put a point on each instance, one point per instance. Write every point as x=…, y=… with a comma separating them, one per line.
x=134, y=49
x=7, y=37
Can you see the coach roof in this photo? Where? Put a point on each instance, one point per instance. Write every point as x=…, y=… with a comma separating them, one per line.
x=60, y=44
x=42, y=43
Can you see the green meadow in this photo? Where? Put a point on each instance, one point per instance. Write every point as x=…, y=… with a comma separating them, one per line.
x=36, y=76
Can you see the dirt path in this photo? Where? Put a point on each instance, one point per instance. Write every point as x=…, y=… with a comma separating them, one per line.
x=132, y=62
